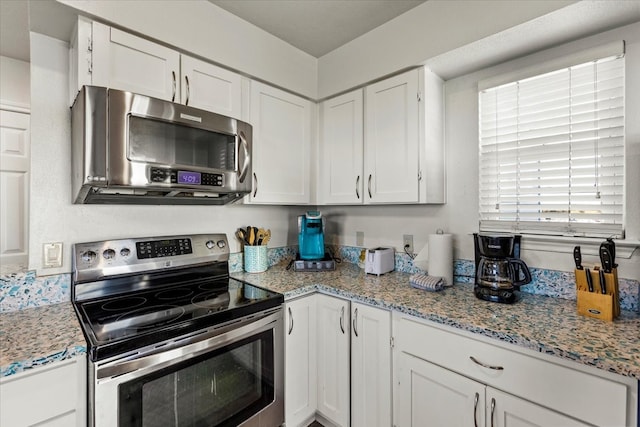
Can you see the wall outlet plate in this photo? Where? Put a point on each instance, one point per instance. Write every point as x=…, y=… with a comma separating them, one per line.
x=360, y=238
x=407, y=243
x=52, y=255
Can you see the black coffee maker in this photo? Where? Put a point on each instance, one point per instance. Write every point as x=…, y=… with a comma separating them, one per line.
x=499, y=270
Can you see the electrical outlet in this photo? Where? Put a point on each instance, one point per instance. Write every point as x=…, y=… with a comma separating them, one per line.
x=407, y=243
x=360, y=238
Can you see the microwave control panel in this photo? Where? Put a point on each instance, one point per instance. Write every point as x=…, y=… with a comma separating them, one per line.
x=177, y=176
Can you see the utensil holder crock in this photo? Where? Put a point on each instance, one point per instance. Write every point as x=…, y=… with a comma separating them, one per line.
x=255, y=259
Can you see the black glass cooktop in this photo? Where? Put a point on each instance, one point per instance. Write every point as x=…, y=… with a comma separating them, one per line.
x=121, y=323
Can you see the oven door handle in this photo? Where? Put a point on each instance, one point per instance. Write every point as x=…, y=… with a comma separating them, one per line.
x=189, y=347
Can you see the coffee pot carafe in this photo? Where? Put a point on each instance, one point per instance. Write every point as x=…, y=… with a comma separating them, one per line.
x=499, y=270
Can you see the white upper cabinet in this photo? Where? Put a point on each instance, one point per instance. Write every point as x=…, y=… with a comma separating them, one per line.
x=340, y=178
x=281, y=146
x=105, y=56
x=126, y=62
x=210, y=88
x=387, y=148
x=391, y=140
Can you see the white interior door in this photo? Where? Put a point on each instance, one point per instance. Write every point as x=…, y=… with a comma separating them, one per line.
x=14, y=187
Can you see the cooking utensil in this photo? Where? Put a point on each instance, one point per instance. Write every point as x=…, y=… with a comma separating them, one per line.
x=577, y=256
x=267, y=237
x=603, y=283
x=241, y=235
x=251, y=235
x=589, y=279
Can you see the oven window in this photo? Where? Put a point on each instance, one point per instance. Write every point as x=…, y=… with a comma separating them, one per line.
x=221, y=388
x=154, y=141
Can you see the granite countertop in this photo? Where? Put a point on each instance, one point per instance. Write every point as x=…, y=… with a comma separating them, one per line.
x=38, y=336
x=544, y=324
x=549, y=325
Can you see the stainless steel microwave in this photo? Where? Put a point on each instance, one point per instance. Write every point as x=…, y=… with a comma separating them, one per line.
x=132, y=149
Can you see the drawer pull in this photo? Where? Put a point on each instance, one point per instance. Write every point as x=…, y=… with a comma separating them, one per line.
x=355, y=322
x=475, y=409
x=290, y=321
x=342, y=320
x=495, y=368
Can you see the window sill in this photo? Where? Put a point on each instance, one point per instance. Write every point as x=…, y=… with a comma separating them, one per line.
x=588, y=246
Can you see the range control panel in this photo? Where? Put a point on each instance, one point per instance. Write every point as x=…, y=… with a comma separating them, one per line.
x=113, y=257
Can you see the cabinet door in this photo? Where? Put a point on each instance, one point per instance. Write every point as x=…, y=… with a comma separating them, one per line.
x=333, y=359
x=505, y=410
x=391, y=140
x=14, y=187
x=428, y=395
x=126, y=62
x=370, y=366
x=281, y=146
x=210, y=88
x=341, y=150
x=300, y=361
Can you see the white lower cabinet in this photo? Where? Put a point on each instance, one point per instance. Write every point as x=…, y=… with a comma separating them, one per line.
x=300, y=361
x=446, y=377
x=429, y=395
x=48, y=396
x=370, y=366
x=333, y=359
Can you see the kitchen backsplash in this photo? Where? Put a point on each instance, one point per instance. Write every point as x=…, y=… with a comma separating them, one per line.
x=19, y=291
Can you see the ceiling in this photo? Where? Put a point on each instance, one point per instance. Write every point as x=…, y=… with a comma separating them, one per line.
x=314, y=26
x=317, y=26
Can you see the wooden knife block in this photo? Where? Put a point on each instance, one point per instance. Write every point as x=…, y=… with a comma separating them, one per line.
x=596, y=304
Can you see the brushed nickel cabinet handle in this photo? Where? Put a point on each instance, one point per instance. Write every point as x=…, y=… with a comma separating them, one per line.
x=369, y=186
x=173, y=96
x=355, y=322
x=357, y=182
x=342, y=320
x=495, y=368
x=255, y=186
x=493, y=409
x=475, y=409
x=186, y=79
x=290, y=321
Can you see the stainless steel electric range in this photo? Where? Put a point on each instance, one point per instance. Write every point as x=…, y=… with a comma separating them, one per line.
x=172, y=339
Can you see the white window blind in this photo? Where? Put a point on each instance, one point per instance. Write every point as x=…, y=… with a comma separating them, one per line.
x=552, y=152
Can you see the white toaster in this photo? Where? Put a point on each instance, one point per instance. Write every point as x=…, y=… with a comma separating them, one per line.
x=379, y=261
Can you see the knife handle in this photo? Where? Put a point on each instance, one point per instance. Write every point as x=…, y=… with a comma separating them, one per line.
x=589, y=279
x=603, y=281
x=577, y=256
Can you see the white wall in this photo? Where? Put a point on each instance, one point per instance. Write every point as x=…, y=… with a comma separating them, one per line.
x=14, y=82
x=386, y=225
x=204, y=29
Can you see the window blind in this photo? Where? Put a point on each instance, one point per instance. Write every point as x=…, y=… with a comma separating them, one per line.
x=552, y=152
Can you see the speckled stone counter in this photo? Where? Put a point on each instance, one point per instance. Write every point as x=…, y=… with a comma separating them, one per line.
x=38, y=336
x=540, y=323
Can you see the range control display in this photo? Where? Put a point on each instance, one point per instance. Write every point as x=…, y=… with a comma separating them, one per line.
x=174, y=176
x=163, y=248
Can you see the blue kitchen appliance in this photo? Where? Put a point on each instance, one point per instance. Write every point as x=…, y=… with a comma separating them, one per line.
x=311, y=235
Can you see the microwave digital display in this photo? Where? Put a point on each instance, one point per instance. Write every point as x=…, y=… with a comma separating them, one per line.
x=185, y=177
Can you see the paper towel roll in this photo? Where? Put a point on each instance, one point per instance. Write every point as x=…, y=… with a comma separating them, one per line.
x=441, y=257
x=436, y=258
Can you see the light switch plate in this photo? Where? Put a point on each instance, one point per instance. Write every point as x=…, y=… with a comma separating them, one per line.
x=52, y=253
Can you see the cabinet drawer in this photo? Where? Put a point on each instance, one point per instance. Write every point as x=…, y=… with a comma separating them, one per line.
x=46, y=394
x=591, y=398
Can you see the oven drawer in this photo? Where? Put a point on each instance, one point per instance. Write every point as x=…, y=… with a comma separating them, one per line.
x=582, y=395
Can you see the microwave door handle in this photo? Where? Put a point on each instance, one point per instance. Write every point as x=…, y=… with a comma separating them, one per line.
x=246, y=158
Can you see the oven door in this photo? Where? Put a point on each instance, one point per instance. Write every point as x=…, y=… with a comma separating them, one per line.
x=232, y=376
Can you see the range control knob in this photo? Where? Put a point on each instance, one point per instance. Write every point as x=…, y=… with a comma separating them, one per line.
x=109, y=254
x=221, y=244
x=88, y=256
x=125, y=252
x=210, y=244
